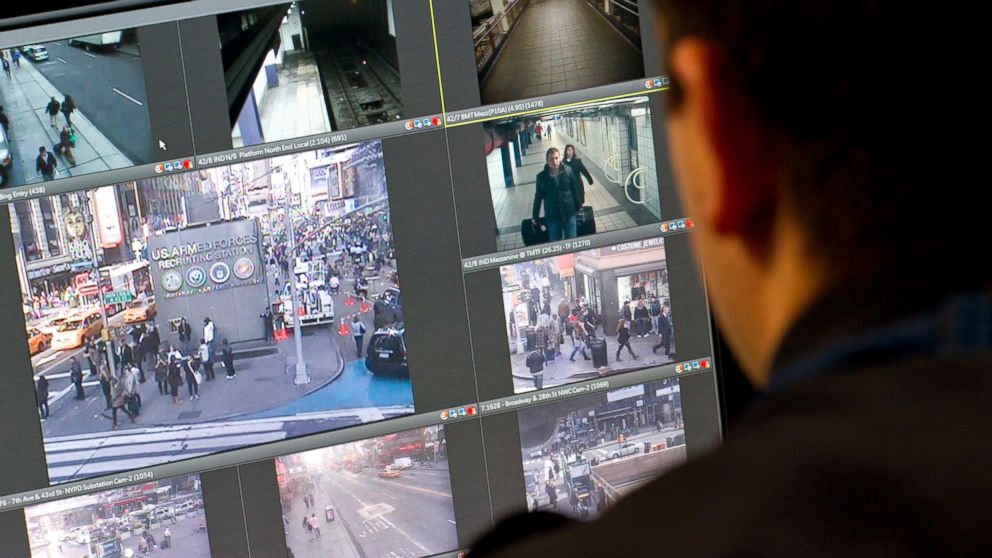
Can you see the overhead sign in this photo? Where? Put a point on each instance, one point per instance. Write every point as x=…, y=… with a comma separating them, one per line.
x=107, y=217
x=625, y=393
x=198, y=260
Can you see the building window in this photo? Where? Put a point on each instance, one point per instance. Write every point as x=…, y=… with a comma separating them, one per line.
x=29, y=240
x=50, y=223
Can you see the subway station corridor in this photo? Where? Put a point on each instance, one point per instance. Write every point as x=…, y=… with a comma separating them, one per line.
x=557, y=46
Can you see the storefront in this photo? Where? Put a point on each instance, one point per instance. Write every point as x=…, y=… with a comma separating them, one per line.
x=643, y=285
x=607, y=278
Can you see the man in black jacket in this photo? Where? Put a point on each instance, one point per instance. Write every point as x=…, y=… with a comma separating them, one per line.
x=45, y=164
x=557, y=189
x=835, y=227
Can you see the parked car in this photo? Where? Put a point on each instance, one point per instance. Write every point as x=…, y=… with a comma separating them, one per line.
x=77, y=329
x=35, y=52
x=6, y=161
x=386, y=352
x=38, y=340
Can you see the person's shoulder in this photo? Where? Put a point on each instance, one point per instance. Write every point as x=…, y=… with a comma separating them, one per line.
x=828, y=465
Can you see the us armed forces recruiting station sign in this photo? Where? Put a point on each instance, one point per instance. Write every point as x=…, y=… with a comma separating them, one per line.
x=214, y=271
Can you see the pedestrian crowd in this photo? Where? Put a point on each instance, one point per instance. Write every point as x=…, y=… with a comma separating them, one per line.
x=575, y=322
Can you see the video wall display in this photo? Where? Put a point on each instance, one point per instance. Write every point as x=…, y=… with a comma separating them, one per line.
x=583, y=454
x=386, y=496
x=163, y=518
x=73, y=106
x=530, y=48
x=586, y=315
x=309, y=67
x=572, y=172
x=162, y=315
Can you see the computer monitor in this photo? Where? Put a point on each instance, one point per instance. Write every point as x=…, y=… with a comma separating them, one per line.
x=311, y=279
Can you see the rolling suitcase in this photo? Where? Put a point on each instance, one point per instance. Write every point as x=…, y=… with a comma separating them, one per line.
x=598, y=348
x=534, y=234
x=585, y=221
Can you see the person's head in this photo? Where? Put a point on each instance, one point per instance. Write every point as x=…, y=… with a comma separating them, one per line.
x=795, y=151
x=41, y=150
x=225, y=343
x=203, y=341
x=74, y=360
x=553, y=158
x=53, y=98
x=354, y=319
x=206, y=321
x=569, y=152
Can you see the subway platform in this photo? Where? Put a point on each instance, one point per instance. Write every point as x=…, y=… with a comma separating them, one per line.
x=557, y=46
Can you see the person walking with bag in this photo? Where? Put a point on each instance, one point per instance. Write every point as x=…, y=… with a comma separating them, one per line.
x=579, y=340
x=623, y=338
x=120, y=395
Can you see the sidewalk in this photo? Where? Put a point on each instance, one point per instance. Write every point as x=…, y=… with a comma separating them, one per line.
x=562, y=371
x=24, y=97
x=262, y=383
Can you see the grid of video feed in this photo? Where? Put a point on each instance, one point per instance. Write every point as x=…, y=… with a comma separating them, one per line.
x=386, y=496
x=572, y=172
x=581, y=455
x=156, y=518
x=185, y=315
x=58, y=121
x=586, y=315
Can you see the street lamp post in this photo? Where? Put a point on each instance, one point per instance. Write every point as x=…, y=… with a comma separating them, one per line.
x=88, y=217
x=302, y=376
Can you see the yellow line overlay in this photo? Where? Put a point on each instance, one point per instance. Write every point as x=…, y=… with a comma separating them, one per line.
x=437, y=59
x=548, y=109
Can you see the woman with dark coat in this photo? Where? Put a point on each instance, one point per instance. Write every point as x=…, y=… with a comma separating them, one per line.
x=578, y=169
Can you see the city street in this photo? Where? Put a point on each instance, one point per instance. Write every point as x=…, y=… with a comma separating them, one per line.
x=409, y=516
x=189, y=540
x=536, y=469
x=108, y=87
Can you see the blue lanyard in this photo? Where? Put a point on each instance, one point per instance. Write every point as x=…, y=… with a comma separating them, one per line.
x=962, y=324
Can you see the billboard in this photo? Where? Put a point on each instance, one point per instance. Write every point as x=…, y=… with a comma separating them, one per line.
x=213, y=271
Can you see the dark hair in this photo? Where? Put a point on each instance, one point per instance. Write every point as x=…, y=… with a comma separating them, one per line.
x=573, y=149
x=547, y=154
x=865, y=144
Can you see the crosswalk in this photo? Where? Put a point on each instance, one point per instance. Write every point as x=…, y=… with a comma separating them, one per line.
x=82, y=456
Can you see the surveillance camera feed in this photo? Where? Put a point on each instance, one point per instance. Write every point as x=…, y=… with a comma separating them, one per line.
x=581, y=455
x=170, y=306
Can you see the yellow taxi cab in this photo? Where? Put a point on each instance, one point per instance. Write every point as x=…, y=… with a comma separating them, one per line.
x=139, y=310
x=77, y=329
x=38, y=340
x=389, y=473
